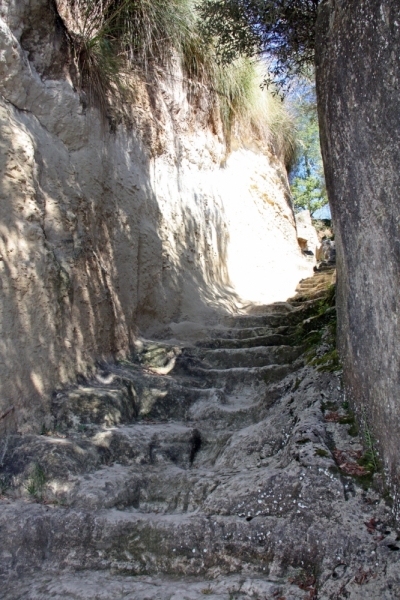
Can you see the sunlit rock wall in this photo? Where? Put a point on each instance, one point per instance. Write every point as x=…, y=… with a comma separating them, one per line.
x=358, y=79
x=105, y=232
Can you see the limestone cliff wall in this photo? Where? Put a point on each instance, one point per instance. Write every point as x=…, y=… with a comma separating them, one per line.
x=358, y=78
x=106, y=232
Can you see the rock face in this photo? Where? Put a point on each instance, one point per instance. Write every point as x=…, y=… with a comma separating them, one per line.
x=306, y=233
x=225, y=468
x=105, y=231
x=358, y=78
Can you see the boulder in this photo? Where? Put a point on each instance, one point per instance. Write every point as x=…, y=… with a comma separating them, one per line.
x=306, y=234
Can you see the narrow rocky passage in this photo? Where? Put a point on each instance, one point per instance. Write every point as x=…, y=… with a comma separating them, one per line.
x=227, y=467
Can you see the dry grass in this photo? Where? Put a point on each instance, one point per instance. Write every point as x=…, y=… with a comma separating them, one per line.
x=110, y=38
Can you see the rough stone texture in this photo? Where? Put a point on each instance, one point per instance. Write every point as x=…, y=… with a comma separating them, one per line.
x=306, y=233
x=358, y=78
x=239, y=489
x=103, y=233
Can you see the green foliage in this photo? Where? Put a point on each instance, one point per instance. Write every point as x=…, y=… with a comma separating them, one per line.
x=328, y=406
x=307, y=178
x=97, y=59
x=245, y=107
x=328, y=362
x=110, y=38
x=282, y=30
x=320, y=326
x=307, y=193
x=4, y=484
x=322, y=453
x=36, y=482
x=297, y=384
x=370, y=458
x=353, y=429
x=349, y=419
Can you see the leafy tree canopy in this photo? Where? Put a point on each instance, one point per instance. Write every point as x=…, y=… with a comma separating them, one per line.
x=307, y=177
x=283, y=33
x=281, y=30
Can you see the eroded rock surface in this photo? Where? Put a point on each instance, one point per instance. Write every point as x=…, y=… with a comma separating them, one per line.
x=226, y=467
x=358, y=78
x=108, y=230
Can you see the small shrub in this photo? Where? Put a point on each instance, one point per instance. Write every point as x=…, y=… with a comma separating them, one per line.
x=111, y=38
x=328, y=362
x=4, y=484
x=353, y=429
x=36, y=482
x=296, y=384
x=321, y=452
x=348, y=419
x=328, y=406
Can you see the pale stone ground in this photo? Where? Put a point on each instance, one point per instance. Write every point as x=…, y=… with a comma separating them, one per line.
x=199, y=469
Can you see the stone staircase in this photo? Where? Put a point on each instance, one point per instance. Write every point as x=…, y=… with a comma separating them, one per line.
x=200, y=469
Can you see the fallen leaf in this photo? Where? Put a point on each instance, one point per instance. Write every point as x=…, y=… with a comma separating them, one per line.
x=371, y=525
x=347, y=465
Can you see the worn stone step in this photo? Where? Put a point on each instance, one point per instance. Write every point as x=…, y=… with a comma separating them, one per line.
x=308, y=295
x=178, y=544
x=129, y=396
x=237, y=333
x=302, y=307
x=272, y=339
x=251, y=321
x=239, y=376
x=259, y=356
x=160, y=489
x=275, y=307
x=97, y=585
x=61, y=459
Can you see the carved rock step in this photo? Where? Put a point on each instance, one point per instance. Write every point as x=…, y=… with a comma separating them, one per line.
x=131, y=396
x=183, y=544
x=264, y=309
x=259, y=356
x=302, y=308
x=252, y=321
x=97, y=585
x=271, y=339
x=161, y=489
x=63, y=459
x=256, y=376
x=237, y=333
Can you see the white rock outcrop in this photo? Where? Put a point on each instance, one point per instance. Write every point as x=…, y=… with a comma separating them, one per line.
x=103, y=234
x=306, y=233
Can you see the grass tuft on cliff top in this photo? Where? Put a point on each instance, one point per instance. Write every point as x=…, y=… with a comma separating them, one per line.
x=110, y=38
